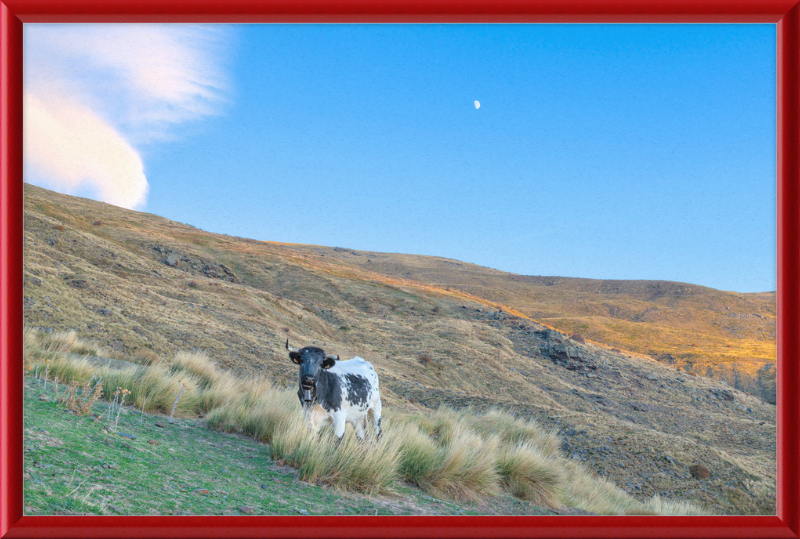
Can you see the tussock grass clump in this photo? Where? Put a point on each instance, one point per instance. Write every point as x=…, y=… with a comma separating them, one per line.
x=67, y=341
x=30, y=338
x=594, y=494
x=353, y=465
x=530, y=475
x=256, y=389
x=271, y=416
x=38, y=345
x=660, y=506
x=66, y=368
x=156, y=387
x=228, y=418
x=197, y=364
x=145, y=356
x=225, y=390
x=420, y=456
x=260, y=412
x=514, y=431
x=468, y=469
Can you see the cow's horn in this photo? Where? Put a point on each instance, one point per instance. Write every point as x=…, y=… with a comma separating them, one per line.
x=289, y=348
x=331, y=356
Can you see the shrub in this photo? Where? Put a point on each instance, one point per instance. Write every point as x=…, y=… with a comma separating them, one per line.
x=79, y=398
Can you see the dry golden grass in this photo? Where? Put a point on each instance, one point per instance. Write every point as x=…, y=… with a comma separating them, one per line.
x=528, y=474
x=594, y=494
x=660, y=506
x=197, y=364
x=353, y=465
x=468, y=469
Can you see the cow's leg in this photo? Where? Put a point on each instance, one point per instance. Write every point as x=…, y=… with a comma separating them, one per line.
x=338, y=425
x=314, y=421
x=376, y=417
x=359, y=425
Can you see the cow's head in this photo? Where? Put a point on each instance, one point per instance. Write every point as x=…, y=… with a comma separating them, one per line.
x=312, y=361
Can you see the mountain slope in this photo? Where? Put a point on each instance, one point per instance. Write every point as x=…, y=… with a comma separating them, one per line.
x=135, y=281
x=723, y=335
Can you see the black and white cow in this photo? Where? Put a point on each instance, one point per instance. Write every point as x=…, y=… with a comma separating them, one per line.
x=334, y=392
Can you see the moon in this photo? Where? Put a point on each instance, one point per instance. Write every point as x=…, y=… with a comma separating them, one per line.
x=477, y=105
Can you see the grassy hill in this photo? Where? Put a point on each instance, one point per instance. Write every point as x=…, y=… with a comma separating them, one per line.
x=722, y=335
x=438, y=332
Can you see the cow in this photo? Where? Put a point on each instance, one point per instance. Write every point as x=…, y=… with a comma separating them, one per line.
x=334, y=392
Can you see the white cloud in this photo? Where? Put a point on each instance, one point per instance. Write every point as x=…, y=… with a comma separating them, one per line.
x=71, y=145
x=93, y=92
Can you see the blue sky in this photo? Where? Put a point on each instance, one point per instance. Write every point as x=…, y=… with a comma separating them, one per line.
x=600, y=151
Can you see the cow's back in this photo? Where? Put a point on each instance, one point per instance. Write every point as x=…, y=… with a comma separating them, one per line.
x=359, y=382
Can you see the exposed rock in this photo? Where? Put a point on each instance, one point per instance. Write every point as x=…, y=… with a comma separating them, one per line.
x=246, y=510
x=104, y=311
x=172, y=259
x=723, y=394
x=767, y=383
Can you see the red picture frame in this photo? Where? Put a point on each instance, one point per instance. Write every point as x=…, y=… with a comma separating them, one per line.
x=784, y=13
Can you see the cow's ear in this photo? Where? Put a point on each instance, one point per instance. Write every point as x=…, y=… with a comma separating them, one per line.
x=328, y=362
x=294, y=356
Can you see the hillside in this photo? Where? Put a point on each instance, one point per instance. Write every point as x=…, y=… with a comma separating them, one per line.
x=137, y=282
x=722, y=335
